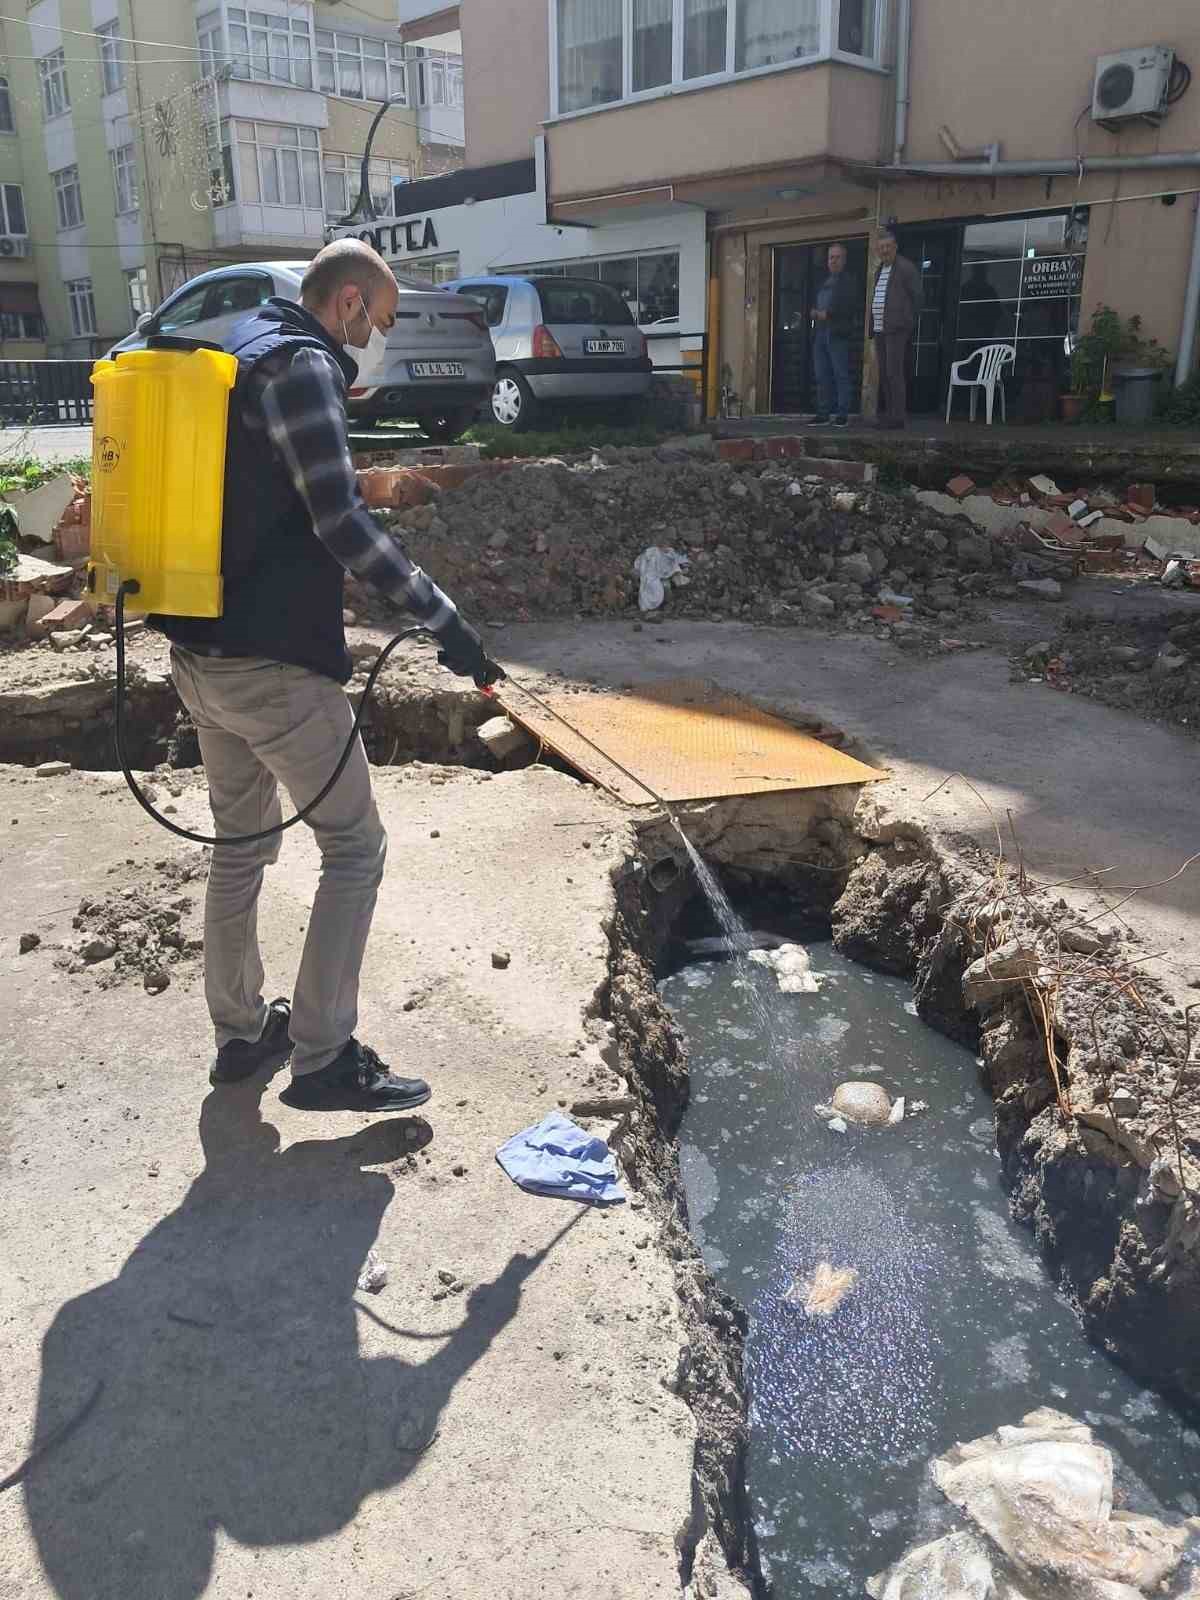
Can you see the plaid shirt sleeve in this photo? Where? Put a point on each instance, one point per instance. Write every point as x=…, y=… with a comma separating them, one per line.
x=304, y=408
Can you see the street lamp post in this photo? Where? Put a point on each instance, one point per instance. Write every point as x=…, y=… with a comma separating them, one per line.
x=364, y=207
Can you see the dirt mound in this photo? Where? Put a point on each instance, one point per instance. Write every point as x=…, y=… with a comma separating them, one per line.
x=138, y=932
x=762, y=543
x=1151, y=666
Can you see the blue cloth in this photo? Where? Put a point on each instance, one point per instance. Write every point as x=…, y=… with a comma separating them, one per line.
x=557, y=1157
x=831, y=357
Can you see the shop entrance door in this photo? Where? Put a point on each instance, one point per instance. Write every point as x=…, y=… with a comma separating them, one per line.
x=798, y=271
x=935, y=254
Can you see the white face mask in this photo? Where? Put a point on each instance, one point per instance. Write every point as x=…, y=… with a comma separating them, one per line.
x=368, y=358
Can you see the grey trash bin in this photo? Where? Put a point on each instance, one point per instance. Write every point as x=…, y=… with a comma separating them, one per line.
x=1135, y=391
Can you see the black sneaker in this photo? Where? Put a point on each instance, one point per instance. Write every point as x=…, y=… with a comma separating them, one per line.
x=355, y=1080
x=242, y=1058
x=838, y=422
x=819, y=420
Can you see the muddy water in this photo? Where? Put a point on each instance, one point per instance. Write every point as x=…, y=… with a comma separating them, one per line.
x=952, y=1328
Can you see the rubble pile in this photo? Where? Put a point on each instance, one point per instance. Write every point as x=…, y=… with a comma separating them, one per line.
x=1151, y=666
x=137, y=932
x=761, y=544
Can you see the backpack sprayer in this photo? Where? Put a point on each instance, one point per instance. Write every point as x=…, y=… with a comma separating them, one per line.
x=160, y=420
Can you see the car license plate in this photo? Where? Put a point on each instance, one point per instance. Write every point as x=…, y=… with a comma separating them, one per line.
x=604, y=347
x=437, y=369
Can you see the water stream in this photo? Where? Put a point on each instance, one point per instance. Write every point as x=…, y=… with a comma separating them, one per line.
x=953, y=1326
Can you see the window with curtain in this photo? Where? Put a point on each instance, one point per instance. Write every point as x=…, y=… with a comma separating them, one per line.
x=652, y=43
x=773, y=31
x=589, y=53
x=705, y=25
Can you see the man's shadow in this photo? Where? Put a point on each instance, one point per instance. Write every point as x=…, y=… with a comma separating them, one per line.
x=216, y=1382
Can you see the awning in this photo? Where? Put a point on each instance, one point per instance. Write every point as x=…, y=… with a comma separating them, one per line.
x=20, y=298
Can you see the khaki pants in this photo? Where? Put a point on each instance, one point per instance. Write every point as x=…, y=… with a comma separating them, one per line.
x=261, y=724
x=891, y=356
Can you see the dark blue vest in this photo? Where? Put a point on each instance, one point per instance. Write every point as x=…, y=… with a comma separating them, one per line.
x=283, y=590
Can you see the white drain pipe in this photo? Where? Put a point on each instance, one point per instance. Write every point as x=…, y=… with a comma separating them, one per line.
x=1191, y=311
x=903, y=77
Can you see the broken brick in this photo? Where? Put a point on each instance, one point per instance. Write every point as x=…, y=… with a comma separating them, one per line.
x=961, y=486
x=735, y=449
x=780, y=447
x=1134, y=512
x=1141, y=497
x=887, y=613
x=67, y=615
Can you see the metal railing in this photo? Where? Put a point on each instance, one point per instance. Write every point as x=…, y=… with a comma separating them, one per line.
x=690, y=367
x=45, y=394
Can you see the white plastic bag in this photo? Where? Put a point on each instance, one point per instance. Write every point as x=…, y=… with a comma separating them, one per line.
x=653, y=570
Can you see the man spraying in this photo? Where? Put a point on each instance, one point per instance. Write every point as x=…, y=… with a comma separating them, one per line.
x=263, y=682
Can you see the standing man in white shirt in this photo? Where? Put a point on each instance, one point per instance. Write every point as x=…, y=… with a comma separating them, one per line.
x=894, y=307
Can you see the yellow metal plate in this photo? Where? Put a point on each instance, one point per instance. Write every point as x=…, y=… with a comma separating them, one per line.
x=686, y=739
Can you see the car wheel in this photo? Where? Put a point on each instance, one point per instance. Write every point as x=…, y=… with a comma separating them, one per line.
x=513, y=403
x=446, y=426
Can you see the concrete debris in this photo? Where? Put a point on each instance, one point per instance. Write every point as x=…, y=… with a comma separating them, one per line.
x=999, y=972
x=501, y=960
x=374, y=1274
x=67, y=640
x=897, y=1112
x=137, y=932
x=1038, y=1499
x=52, y=769
x=1083, y=941
x=29, y=941
x=504, y=740
x=792, y=967
x=1042, y=588
x=863, y=1102
x=1044, y=486
x=97, y=950
x=822, y=1291
x=155, y=981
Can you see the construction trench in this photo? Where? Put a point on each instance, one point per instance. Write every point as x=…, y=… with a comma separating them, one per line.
x=1083, y=1050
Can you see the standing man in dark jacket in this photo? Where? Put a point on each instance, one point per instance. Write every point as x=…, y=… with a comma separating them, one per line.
x=894, y=306
x=263, y=682
x=838, y=310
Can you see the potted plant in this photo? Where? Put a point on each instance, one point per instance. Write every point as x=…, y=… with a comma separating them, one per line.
x=1113, y=350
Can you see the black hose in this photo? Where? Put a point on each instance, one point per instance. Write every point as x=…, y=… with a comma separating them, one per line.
x=131, y=587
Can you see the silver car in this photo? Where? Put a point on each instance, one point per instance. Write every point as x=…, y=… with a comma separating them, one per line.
x=558, y=341
x=439, y=371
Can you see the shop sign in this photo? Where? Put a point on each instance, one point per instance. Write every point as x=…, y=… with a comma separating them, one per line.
x=1046, y=277
x=406, y=238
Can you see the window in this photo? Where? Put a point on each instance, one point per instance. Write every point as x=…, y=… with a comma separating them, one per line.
x=770, y=32
x=56, y=93
x=67, y=198
x=21, y=312
x=112, y=66
x=277, y=165
x=124, y=165
x=361, y=69
x=589, y=53
x=493, y=297
x=343, y=175
x=705, y=37
x=440, y=80
x=83, y=306
x=608, y=50
x=857, y=21
x=231, y=297
x=211, y=36
x=265, y=47
x=184, y=310
x=647, y=284
x=1020, y=283
x=429, y=269
x=570, y=300
x=6, y=115
x=137, y=281
x=12, y=214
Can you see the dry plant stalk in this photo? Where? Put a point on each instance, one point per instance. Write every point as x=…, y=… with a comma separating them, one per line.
x=822, y=1292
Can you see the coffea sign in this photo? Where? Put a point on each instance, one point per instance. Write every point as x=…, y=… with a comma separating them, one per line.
x=408, y=238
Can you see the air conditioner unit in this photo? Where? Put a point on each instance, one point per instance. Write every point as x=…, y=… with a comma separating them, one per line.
x=13, y=246
x=1132, y=83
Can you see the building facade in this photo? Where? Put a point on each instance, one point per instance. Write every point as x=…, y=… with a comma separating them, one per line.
x=1030, y=178
x=143, y=141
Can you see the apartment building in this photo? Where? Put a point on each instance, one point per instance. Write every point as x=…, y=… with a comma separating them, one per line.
x=143, y=141
x=1036, y=163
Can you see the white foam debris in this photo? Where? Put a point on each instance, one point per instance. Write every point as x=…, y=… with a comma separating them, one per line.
x=792, y=968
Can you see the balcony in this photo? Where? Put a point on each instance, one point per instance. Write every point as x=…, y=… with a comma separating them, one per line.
x=715, y=104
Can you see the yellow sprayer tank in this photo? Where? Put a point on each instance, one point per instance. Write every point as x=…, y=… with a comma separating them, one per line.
x=160, y=418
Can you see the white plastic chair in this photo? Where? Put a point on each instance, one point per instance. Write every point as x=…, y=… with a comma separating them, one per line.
x=992, y=359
